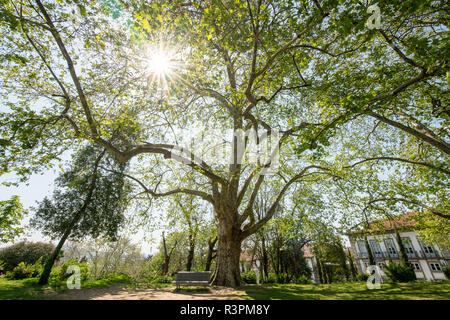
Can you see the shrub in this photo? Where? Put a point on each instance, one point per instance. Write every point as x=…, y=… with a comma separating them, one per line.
x=282, y=278
x=249, y=277
x=303, y=279
x=400, y=273
x=2, y=266
x=28, y=252
x=84, y=270
x=272, y=278
x=362, y=277
x=156, y=279
x=447, y=272
x=24, y=271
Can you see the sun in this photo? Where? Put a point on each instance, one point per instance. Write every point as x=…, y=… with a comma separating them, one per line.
x=159, y=63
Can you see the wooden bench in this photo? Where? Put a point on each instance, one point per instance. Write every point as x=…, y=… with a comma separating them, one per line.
x=192, y=278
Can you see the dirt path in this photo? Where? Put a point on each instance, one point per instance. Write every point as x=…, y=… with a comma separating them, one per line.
x=117, y=292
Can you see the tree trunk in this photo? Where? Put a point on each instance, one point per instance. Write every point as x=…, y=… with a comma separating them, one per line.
x=190, y=257
x=211, y=256
x=49, y=264
x=227, y=260
x=51, y=260
x=265, y=262
x=352, y=265
x=403, y=254
x=369, y=252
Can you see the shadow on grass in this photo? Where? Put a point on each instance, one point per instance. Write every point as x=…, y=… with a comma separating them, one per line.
x=192, y=289
x=28, y=289
x=349, y=291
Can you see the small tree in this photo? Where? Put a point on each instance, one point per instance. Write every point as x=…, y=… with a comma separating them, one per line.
x=90, y=200
x=11, y=213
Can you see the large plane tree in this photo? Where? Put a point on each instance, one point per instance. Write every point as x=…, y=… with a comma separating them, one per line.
x=137, y=77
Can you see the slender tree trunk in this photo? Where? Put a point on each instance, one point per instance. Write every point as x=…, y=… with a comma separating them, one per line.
x=51, y=260
x=403, y=255
x=190, y=257
x=265, y=262
x=167, y=255
x=352, y=265
x=227, y=271
x=369, y=252
x=211, y=256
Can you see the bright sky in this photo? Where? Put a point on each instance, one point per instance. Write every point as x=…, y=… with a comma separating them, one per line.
x=36, y=189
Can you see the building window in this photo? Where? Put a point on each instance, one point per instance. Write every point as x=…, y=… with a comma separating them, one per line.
x=375, y=246
x=362, y=247
x=391, y=247
x=435, y=266
x=381, y=265
x=427, y=248
x=416, y=266
x=408, y=245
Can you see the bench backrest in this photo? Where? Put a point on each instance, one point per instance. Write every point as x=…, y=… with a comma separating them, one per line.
x=193, y=276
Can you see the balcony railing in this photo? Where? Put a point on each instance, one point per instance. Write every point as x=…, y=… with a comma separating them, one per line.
x=413, y=255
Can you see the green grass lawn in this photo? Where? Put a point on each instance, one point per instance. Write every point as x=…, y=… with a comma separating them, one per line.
x=349, y=291
x=28, y=289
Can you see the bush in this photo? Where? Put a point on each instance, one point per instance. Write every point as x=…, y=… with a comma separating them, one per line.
x=447, y=272
x=157, y=279
x=2, y=266
x=282, y=278
x=84, y=270
x=249, y=277
x=28, y=252
x=272, y=278
x=303, y=279
x=362, y=277
x=400, y=273
x=24, y=271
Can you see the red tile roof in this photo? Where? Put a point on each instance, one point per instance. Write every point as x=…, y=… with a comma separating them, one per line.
x=307, y=251
x=402, y=221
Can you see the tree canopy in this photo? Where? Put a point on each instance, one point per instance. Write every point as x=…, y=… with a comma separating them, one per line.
x=139, y=78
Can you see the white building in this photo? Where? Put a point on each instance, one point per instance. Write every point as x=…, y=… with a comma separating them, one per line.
x=427, y=259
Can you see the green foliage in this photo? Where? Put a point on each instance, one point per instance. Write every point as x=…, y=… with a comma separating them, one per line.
x=362, y=277
x=397, y=272
x=156, y=279
x=11, y=214
x=103, y=215
x=282, y=278
x=249, y=277
x=28, y=252
x=303, y=279
x=446, y=271
x=84, y=270
x=25, y=270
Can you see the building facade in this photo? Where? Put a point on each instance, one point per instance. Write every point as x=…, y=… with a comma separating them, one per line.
x=428, y=260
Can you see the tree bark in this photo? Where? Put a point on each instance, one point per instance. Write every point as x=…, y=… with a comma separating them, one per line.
x=403, y=254
x=265, y=261
x=227, y=271
x=190, y=257
x=167, y=255
x=211, y=256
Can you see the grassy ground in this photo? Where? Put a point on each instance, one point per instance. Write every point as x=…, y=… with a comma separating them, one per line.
x=349, y=291
x=28, y=289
